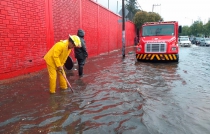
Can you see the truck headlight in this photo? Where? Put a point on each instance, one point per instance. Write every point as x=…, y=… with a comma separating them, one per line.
x=138, y=49
x=173, y=48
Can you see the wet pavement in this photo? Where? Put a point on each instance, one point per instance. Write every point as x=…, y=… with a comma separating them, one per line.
x=115, y=96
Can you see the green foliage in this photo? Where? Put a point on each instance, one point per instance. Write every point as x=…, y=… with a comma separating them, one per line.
x=197, y=29
x=131, y=6
x=153, y=17
x=185, y=31
x=207, y=28
x=142, y=16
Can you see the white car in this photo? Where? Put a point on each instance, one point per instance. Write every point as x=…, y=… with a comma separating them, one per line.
x=205, y=42
x=185, y=42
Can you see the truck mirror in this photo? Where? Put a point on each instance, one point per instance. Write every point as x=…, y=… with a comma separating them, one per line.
x=180, y=29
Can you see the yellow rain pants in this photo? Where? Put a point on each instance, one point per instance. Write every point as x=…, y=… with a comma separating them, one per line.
x=53, y=77
x=55, y=58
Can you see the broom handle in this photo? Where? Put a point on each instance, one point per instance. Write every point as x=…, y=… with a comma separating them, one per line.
x=67, y=81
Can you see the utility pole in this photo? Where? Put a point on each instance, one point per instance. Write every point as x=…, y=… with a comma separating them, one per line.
x=123, y=29
x=154, y=5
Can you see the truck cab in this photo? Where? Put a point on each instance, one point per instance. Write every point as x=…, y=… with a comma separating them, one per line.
x=158, y=41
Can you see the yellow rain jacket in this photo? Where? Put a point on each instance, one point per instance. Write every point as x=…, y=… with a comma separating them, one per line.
x=58, y=54
x=54, y=58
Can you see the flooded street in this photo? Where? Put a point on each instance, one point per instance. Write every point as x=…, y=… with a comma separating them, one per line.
x=115, y=96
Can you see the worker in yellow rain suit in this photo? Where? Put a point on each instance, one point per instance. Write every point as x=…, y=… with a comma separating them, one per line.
x=55, y=59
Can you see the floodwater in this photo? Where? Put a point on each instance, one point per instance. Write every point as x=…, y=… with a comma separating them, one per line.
x=116, y=96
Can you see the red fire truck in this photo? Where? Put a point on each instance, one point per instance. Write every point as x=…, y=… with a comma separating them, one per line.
x=158, y=41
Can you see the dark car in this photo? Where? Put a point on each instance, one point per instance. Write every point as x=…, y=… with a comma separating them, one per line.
x=196, y=40
x=193, y=40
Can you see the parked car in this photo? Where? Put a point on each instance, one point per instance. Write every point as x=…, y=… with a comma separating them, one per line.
x=205, y=42
x=196, y=40
x=193, y=40
x=183, y=36
x=185, y=42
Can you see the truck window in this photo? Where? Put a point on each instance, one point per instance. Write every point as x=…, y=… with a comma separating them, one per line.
x=153, y=30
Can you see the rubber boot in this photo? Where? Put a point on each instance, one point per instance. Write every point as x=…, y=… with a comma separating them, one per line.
x=80, y=71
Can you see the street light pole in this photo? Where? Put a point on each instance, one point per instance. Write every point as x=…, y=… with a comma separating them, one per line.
x=123, y=29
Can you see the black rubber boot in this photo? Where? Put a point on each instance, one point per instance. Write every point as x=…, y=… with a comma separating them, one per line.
x=80, y=71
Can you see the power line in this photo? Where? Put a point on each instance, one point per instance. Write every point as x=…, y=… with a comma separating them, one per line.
x=139, y=5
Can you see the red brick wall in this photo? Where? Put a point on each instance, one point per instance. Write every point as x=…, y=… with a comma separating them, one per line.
x=130, y=33
x=22, y=36
x=29, y=28
x=66, y=18
x=89, y=23
x=103, y=31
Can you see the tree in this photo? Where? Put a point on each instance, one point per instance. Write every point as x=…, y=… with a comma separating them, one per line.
x=197, y=29
x=207, y=29
x=132, y=7
x=185, y=31
x=142, y=16
x=153, y=17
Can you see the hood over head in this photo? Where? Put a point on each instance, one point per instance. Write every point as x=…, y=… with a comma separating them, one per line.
x=80, y=33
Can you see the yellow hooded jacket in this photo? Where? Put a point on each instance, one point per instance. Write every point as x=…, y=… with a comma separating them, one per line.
x=58, y=54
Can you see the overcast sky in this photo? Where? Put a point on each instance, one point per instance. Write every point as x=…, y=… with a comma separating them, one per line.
x=183, y=11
